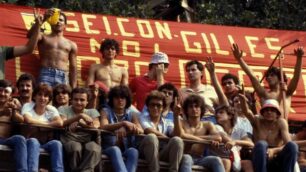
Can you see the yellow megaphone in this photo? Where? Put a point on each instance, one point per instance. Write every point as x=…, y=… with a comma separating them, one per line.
x=52, y=20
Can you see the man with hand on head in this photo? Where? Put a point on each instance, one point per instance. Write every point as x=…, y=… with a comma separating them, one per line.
x=141, y=86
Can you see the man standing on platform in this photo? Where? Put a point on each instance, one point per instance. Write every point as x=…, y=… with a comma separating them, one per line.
x=57, y=53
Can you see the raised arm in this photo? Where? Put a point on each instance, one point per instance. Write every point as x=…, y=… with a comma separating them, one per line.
x=73, y=65
x=210, y=66
x=260, y=90
x=245, y=109
x=299, y=52
x=178, y=128
x=160, y=72
x=33, y=39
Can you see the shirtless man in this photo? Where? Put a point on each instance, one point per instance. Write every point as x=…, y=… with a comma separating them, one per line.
x=271, y=135
x=195, y=129
x=108, y=72
x=57, y=54
x=9, y=111
x=273, y=79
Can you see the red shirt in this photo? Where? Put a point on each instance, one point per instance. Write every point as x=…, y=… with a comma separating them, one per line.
x=141, y=86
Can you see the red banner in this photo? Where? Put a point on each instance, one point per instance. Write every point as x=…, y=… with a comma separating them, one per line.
x=140, y=38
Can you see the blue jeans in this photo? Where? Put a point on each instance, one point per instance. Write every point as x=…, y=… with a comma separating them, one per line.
x=284, y=161
x=52, y=76
x=210, y=118
x=54, y=147
x=18, y=144
x=186, y=163
x=116, y=157
x=213, y=163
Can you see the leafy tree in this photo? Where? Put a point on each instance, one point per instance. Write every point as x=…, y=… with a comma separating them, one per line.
x=274, y=14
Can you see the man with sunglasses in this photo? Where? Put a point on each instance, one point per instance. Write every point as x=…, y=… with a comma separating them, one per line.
x=141, y=86
x=155, y=126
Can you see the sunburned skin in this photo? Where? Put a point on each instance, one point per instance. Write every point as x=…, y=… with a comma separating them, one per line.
x=201, y=129
x=54, y=52
x=110, y=75
x=6, y=113
x=271, y=132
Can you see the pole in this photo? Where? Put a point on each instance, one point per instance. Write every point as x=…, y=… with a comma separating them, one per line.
x=282, y=85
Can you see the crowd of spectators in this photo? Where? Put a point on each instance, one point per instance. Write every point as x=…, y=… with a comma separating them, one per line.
x=206, y=125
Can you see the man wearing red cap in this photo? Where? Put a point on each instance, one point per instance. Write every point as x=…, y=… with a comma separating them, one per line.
x=274, y=150
x=141, y=86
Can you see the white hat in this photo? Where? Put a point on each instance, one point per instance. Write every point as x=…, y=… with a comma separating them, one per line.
x=159, y=57
x=271, y=103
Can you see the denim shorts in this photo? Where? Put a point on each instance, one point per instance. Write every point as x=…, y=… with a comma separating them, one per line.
x=52, y=76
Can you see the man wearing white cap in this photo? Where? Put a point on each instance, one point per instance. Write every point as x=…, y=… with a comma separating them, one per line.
x=141, y=86
x=274, y=150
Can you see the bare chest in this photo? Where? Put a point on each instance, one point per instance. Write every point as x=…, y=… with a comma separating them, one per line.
x=55, y=44
x=109, y=74
x=196, y=130
x=271, y=134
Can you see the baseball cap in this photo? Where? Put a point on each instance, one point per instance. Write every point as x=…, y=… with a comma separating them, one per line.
x=101, y=86
x=159, y=57
x=270, y=103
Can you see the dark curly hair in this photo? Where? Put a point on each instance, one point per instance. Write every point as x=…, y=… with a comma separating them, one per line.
x=156, y=95
x=276, y=71
x=194, y=99
x=45, y=89
x=230, y=76
x=230, y=111
x=169, y=86
x=108, y=43
x=120, y=91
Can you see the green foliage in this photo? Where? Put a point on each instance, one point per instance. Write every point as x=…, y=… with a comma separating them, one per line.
x=275, y=14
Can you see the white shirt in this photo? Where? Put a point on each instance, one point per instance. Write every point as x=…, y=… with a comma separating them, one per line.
x=244, y=124
x=50, y=113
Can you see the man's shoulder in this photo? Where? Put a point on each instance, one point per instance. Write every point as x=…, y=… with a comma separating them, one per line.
x=206, y=87
x=97, y=66
x=206, y=124
x=64, y=110
x=92, y=112
x=185, y=90
x=138, y=78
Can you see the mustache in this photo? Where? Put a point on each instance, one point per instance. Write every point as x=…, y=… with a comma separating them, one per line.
x=24, y=91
